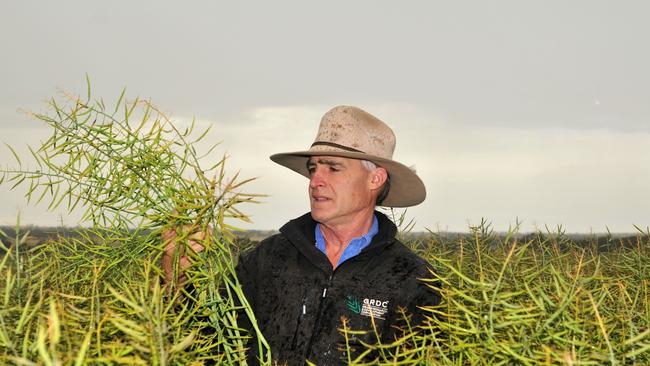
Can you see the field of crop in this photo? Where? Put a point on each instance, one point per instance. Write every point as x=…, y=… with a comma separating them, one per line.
x=544, y=300
x=97, y=298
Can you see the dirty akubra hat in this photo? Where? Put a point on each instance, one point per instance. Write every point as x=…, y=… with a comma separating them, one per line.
x=350, y=132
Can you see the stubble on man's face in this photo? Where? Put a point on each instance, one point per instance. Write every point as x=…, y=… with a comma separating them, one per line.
x=338, y=190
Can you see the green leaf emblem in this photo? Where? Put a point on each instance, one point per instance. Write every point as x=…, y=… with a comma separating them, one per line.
x=353, y=305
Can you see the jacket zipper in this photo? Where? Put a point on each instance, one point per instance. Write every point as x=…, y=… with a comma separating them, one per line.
x=318, y=316
x=303, y=311
x=322, y=301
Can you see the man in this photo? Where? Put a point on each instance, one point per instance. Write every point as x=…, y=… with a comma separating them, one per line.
x=341, y=260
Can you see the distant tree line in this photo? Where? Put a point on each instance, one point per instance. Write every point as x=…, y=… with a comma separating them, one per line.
x=419, y=241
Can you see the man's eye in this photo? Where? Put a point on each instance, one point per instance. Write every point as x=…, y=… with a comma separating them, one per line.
x=333, y=169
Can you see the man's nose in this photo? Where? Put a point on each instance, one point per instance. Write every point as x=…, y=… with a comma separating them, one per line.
x=316, y=178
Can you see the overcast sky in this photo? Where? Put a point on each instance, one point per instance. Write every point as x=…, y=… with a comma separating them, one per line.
x=529, y=110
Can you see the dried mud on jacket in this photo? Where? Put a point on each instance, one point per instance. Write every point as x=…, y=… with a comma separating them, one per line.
x=299, y=300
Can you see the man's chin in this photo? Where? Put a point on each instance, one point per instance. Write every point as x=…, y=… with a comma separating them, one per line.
x=318, y=215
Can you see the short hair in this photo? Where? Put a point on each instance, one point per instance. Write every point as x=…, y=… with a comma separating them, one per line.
x=370, y=166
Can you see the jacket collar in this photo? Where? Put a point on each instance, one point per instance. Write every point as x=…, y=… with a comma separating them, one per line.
x=300, y=233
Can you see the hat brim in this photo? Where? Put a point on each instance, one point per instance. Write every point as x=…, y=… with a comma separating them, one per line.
x=406, y=188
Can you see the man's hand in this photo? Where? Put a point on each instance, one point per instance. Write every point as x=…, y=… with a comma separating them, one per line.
x=173, y=247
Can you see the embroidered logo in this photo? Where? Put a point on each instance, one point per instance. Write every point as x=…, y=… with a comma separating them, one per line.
x=369, y=307
x=353, y=304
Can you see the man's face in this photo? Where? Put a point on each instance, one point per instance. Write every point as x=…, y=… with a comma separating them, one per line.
x=340, y=189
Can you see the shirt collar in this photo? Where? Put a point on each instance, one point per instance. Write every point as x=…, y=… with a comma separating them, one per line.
x=357, y=244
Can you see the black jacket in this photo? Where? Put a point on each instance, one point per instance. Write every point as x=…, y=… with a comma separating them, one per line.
x=299, y=300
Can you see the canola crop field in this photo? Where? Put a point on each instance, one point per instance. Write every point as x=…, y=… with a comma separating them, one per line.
x=533, y=300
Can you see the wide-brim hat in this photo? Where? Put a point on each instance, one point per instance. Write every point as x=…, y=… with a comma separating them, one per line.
x=350, y=132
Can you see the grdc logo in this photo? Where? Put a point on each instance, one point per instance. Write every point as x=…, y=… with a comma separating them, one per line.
x=375, y=308
x=374, y=302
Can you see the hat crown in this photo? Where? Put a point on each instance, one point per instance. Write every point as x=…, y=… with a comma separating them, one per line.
x=353, y=129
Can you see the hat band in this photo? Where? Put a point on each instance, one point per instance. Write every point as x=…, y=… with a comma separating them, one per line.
x=336, y=145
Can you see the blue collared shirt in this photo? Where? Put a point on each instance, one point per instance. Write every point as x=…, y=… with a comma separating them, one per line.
x=355, y=246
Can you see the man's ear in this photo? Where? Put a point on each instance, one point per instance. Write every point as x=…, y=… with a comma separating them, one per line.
x=378, y=178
